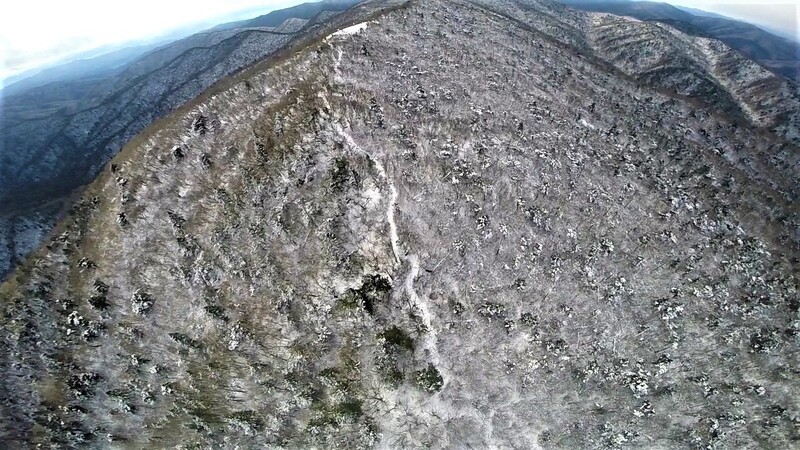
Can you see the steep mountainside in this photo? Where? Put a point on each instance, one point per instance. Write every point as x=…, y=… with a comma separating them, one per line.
x=450, y=225
x=773, y=52
x=701, y=68
x=56, y=138
x=705, y=70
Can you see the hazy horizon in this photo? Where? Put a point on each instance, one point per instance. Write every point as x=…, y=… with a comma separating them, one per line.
x=74, y=31
x=779, y=16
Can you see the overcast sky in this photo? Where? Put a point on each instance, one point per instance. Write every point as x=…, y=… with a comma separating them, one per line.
x=781, y=15
x=37, y=32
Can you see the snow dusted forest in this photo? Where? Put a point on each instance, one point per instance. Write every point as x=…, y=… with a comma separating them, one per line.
x=448, y=224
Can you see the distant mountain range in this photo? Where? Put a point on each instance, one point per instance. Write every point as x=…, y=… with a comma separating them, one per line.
x=303, y=11
x=776, y=53
x=94, y=67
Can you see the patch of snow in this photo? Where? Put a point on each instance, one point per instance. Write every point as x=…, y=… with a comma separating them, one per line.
x=373, y=195
x=351, y=30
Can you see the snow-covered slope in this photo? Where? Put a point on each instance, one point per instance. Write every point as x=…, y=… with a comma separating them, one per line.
x=445, y=227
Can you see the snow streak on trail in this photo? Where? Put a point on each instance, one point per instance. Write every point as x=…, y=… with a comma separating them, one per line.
x=417, y=302
x=395, y=239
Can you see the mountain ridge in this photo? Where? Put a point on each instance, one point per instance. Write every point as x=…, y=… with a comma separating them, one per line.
x=776, y=53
